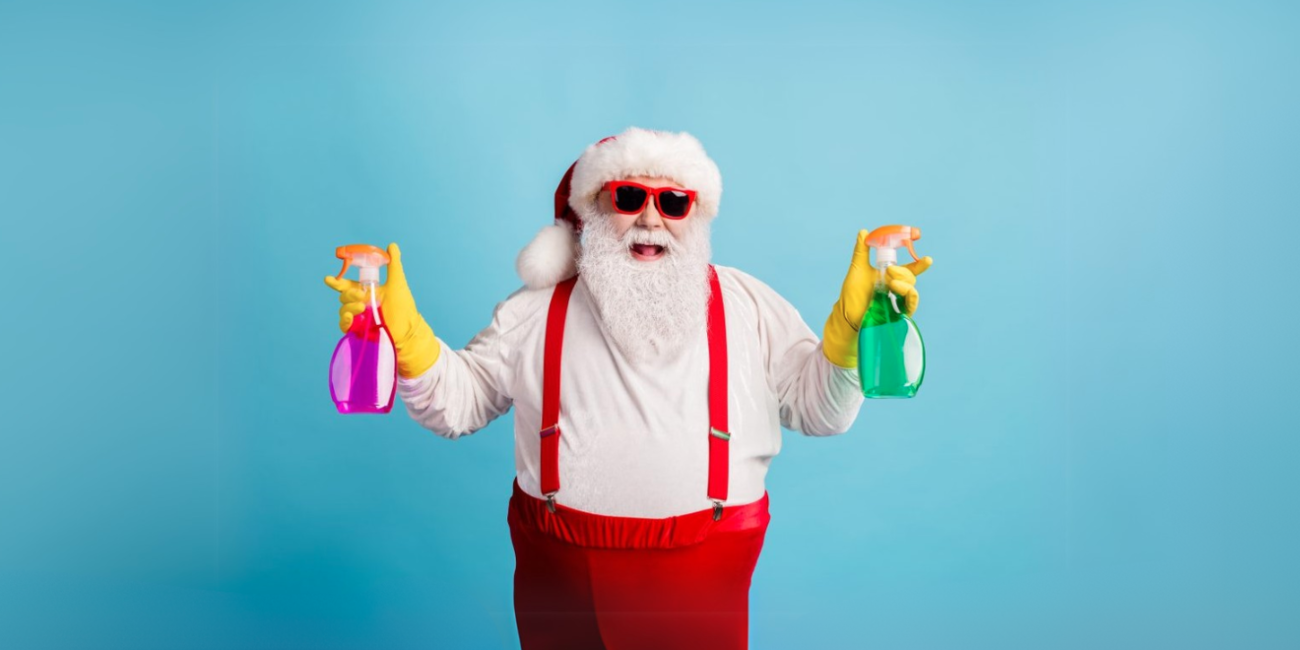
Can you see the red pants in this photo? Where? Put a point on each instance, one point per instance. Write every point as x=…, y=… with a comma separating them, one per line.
x=591, y=582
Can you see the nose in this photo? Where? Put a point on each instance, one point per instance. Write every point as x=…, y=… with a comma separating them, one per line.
x=649, y=217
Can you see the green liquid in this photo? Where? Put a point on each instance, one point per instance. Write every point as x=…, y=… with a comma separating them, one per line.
x=891, y=355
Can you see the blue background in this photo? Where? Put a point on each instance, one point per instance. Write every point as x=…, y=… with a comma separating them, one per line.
x=1103, y=455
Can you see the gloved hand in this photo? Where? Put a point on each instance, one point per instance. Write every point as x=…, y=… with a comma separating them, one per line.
x=417, y=348
x=840, y=336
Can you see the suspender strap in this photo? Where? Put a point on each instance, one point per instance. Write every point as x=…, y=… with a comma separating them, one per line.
x=550, y=433
x=719, y=434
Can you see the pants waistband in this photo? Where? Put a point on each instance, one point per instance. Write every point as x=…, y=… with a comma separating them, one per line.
x=588, y=529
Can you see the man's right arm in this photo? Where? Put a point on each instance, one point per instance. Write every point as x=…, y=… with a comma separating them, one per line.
x=462, y=391
x=450, y=392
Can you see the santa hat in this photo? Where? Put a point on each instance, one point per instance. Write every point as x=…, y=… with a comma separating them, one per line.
x=552, y=255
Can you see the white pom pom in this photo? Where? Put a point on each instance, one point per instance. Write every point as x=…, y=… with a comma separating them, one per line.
x=550, y=258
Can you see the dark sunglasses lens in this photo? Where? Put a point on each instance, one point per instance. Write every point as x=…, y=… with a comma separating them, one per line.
x=629, y=199
x=675, y=204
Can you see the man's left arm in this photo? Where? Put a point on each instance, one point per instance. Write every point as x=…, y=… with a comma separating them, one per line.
x=815, y=397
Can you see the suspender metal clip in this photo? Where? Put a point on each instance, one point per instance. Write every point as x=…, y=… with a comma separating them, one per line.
x=717, y=510
x=550, y=502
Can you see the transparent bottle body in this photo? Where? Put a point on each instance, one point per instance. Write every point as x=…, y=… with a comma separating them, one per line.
x=891, y=354
x=363, y=371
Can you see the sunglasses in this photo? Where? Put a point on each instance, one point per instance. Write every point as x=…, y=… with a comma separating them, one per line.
x=630, y=198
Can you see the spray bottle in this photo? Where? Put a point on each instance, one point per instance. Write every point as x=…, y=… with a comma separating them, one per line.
x=363, y=372
x=891, y=355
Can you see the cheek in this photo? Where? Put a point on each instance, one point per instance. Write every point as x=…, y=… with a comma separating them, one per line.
x=677, y=227
x=623, y=223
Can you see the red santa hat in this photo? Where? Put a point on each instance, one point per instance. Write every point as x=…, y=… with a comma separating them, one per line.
x=552, y=255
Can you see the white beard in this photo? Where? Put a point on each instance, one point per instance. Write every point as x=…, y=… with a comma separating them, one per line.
x=654, y=308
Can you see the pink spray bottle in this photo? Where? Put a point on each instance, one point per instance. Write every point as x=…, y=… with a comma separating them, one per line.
x=363, y=372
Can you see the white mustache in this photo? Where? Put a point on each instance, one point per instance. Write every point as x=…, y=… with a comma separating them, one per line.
x=637, y=235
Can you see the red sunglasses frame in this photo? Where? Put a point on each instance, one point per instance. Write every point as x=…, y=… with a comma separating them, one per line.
x=612, y=186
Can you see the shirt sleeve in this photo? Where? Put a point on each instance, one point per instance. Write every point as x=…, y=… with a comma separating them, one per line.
x=465, y=390
x=816, y=397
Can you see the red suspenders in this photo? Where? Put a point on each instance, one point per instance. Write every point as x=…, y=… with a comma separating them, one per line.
x=719, y=433
x=719, y=436
x=551, y=390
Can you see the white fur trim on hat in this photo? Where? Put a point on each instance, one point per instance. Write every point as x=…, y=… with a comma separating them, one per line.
x=550, y=258
x=640, y=152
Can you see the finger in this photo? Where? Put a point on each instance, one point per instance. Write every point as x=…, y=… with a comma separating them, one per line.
x=396, y=275
x=339, y=284
x=355, y=294
x=900, y=273
x=345, y=322
x=861, y=252
x=907, y=294
x=901, y=289
x=352, y=308
x=856, y=291
x=918, y=267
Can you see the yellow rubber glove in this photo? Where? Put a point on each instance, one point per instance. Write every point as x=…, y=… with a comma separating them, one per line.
x=417, y=348
x=840, y=336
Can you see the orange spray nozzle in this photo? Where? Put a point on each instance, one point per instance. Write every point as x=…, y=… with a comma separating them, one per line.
x=363, y=255
x=893, y=237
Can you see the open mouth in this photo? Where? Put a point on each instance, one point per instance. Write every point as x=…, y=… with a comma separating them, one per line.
x=646, y=252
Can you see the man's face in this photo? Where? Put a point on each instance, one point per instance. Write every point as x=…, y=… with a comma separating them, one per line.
x=648, y=219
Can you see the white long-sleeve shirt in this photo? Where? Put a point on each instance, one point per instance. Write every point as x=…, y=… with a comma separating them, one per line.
x=634, y=439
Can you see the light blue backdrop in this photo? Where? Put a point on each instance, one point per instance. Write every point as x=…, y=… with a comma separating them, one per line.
x=1103, y=455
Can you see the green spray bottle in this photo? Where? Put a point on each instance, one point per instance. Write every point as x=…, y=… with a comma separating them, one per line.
x=891, y=355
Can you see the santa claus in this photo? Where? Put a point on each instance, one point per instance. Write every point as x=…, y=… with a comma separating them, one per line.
x=650, y=388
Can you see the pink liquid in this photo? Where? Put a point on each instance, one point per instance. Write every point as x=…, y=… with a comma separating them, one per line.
x=363, y=372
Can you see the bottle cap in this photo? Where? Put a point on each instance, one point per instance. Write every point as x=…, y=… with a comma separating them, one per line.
x=362, y=255
x=890, y=237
